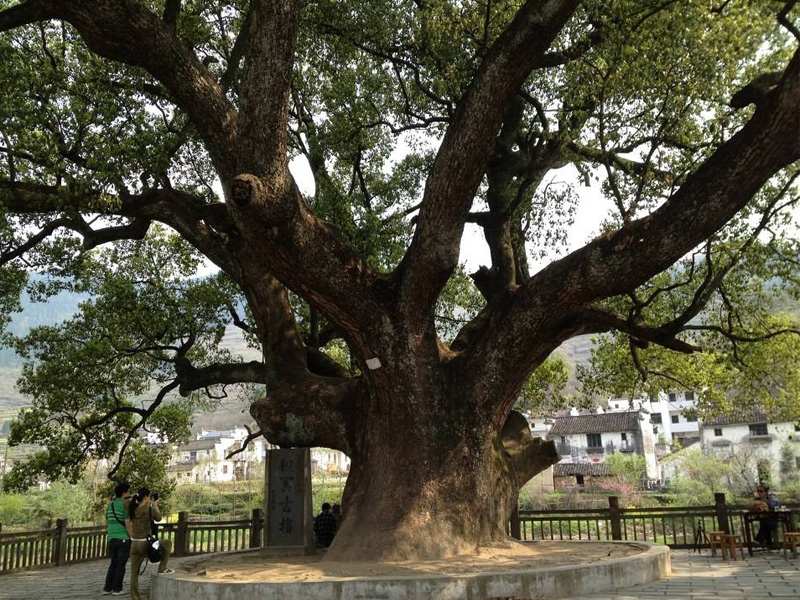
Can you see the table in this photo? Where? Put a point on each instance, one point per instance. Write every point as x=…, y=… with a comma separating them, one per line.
x=767, y=517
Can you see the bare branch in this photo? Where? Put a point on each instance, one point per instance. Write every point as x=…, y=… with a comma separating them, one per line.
x=601, y=321
x=192, y=378
x=132, y=433
x=246, y=442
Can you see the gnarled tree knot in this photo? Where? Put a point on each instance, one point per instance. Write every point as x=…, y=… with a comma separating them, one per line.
x=245, y=189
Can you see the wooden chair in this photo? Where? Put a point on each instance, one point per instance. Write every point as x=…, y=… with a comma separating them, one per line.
x=715, y=540
x=730, y=543
x=791, y=540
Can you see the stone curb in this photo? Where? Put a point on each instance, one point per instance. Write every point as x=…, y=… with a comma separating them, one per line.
x=579, y=580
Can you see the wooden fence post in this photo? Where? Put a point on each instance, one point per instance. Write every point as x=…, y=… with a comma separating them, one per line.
x=722, y=512
x=181, y=534
x=60, y=546
x=615, y=516
x=516, y=527
x=256, y=528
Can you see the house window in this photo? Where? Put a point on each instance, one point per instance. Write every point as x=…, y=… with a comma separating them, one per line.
x=593, y=440
x=224, y=469
x=579, y=479
x=193, y=455
x=675, y=418
x=624, y=437
x=691, y=417
x=717, y=432
x=758, y=429
x=689, y=396
x=655, y=419
x=672, y=397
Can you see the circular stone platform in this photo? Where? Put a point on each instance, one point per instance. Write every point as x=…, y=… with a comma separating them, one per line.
x=529, y=570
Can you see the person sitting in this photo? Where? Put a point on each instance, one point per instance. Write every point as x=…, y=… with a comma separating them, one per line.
x=325, y=526
x=764, y=502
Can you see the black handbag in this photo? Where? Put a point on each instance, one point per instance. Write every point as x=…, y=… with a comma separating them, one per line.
x=154, y=551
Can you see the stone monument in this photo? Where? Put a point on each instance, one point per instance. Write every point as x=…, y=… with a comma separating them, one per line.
x=288, y=520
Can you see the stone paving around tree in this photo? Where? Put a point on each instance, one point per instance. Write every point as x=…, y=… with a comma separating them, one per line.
x=694, y=577
x=703, y=577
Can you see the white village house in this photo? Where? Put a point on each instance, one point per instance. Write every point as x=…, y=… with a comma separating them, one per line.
x=205, y=459
x=673, y=415
x=755, y=439
x=591, y=438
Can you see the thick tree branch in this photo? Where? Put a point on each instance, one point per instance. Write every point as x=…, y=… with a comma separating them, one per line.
x=600, y=321
x=206, y=226
x=465, y=150
x=172, y=10
x=25, y=14
x=546, y=306
x=191, y=378
x=34, y=240
x=314, y=411
x=162, y=394
x=265, y=91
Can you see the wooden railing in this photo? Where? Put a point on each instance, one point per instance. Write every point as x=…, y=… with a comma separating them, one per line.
x=64, y=545
x=676, y=527
x=673, y=526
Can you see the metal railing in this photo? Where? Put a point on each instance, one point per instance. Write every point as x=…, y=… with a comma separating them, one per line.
x=64, y=545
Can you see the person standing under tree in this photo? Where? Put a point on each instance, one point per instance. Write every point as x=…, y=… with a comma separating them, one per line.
x=143, y=513
x=119, y=540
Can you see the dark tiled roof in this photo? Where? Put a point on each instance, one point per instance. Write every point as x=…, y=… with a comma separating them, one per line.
x=746, y=415
x=606, y=422
x=567, y=469
x=199, y=445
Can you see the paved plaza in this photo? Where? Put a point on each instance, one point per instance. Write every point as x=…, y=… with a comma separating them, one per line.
x=694, y=577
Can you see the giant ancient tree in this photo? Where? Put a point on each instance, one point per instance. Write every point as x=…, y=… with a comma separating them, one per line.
x=414, y=118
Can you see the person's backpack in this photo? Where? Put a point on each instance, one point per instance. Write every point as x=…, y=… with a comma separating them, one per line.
x=155, y=553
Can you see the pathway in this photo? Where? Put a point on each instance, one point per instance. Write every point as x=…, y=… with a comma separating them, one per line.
x=694, y=577
x=703, y=577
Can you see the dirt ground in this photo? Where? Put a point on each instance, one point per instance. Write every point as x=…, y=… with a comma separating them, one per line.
x=252, y=567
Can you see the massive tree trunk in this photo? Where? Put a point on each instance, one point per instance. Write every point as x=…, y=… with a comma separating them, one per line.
x=420, y=492
x=434, y=471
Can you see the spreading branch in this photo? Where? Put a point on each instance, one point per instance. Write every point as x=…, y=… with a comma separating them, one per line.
x=130, y=33
x=465, y=151
x=549, y=304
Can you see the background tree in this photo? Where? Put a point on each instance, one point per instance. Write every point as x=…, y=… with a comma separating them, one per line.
x=120, y=113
